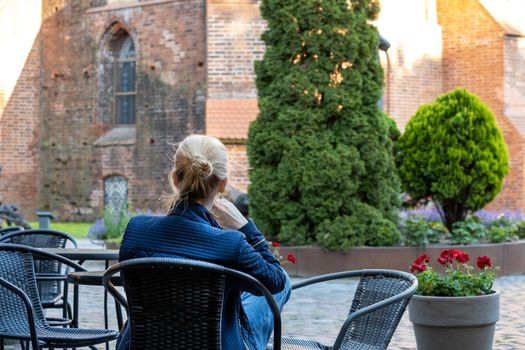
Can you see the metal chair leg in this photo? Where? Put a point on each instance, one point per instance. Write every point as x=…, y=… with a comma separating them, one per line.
x=106, y=322
x=65, y=303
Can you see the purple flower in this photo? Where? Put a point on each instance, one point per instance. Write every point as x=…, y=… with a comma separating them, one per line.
x=97, y=230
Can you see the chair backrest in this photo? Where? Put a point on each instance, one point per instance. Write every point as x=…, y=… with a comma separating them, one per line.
x=10, y=229
x=16, y=267
x=40, y=238
x=390, y=291
x=178, y=303
x=49, y=290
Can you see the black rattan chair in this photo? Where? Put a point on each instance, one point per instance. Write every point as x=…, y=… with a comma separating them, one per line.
x=9, y=229
x=49, y=274
x=379, y=302
x=22, y=316
x=178, y=303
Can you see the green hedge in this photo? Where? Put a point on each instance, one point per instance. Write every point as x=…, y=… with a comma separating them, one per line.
x=322, y=170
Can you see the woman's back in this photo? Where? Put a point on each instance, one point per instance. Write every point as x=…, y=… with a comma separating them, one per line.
x=190, y=231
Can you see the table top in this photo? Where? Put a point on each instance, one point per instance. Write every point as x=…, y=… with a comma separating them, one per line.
x=85, y=254
x=91, y=278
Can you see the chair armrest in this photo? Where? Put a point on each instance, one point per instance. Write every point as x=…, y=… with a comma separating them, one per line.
x=329, y=277
x=29, y=308
x=52, y=256
x=110, y=287
x=50, y=277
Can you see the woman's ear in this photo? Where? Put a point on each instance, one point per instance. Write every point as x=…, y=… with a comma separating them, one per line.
x=222, y=185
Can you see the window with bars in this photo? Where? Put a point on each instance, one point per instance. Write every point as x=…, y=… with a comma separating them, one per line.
x=124, y=78
x=116, y=192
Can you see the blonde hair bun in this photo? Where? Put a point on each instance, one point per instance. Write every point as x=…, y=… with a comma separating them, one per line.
x=201, y=166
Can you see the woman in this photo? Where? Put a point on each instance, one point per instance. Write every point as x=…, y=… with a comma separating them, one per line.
x=226, y=237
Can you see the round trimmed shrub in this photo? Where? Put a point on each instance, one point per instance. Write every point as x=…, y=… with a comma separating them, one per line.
x=320, y=153
x=453, y=152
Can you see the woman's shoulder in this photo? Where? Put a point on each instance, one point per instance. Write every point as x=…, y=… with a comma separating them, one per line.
x=140, y=219
x=140, y=222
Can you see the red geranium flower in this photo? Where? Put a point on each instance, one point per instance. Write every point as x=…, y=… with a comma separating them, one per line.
x=462, y=258
x=484, y=262
x=457, y=279
x=291, y=258
x=446, y=257
x=276, y=244
x=422, y=259
x=449, y=255
x=444, y=261
x=418, y=267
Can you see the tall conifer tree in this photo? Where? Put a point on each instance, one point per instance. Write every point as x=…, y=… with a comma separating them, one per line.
x=320, y=156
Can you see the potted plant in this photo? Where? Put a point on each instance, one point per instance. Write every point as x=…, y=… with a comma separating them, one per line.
x=456, y=310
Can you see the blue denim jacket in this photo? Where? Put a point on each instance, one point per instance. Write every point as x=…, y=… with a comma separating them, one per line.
x=190, y=231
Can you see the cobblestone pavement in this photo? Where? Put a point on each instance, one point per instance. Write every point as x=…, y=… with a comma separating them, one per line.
x=317, y=311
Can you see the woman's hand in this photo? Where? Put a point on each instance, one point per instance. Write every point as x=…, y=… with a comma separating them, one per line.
x=227, y=215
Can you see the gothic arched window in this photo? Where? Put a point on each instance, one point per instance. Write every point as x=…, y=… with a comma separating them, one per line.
x=124, y=78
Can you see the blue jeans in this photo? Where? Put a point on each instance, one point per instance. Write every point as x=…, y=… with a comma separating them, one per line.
x=257, y=326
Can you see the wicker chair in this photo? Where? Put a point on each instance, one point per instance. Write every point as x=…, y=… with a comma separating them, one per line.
x=379, y=302
x=178, y=303
x=22, y=316
x=49, y=274
x=10, y=229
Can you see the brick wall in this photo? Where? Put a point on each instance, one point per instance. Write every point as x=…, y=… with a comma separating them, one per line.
x=234, y=29
x=169, y=38
x=19, y=103
x=514, y=82
x=473, y=57
x=238, y=164
x=412, y=65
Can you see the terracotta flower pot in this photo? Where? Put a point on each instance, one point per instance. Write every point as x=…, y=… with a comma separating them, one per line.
x=454, y=323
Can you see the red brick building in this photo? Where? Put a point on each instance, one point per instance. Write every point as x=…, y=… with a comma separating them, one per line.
x=92, y=92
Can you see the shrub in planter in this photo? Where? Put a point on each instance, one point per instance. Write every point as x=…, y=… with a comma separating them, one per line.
x=320, y=149
x=501, y=234
x=469, y=231
x=520, y=229
x=453, y=152
x=366, y=226
x=418, y=232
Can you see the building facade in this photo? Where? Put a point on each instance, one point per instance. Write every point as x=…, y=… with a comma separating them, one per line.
x=93, y=93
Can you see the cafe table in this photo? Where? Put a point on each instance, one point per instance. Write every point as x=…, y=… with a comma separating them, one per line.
x=82, y=255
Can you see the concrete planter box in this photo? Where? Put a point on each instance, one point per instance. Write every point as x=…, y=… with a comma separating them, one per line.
x=510, y=257
x=454, y=323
